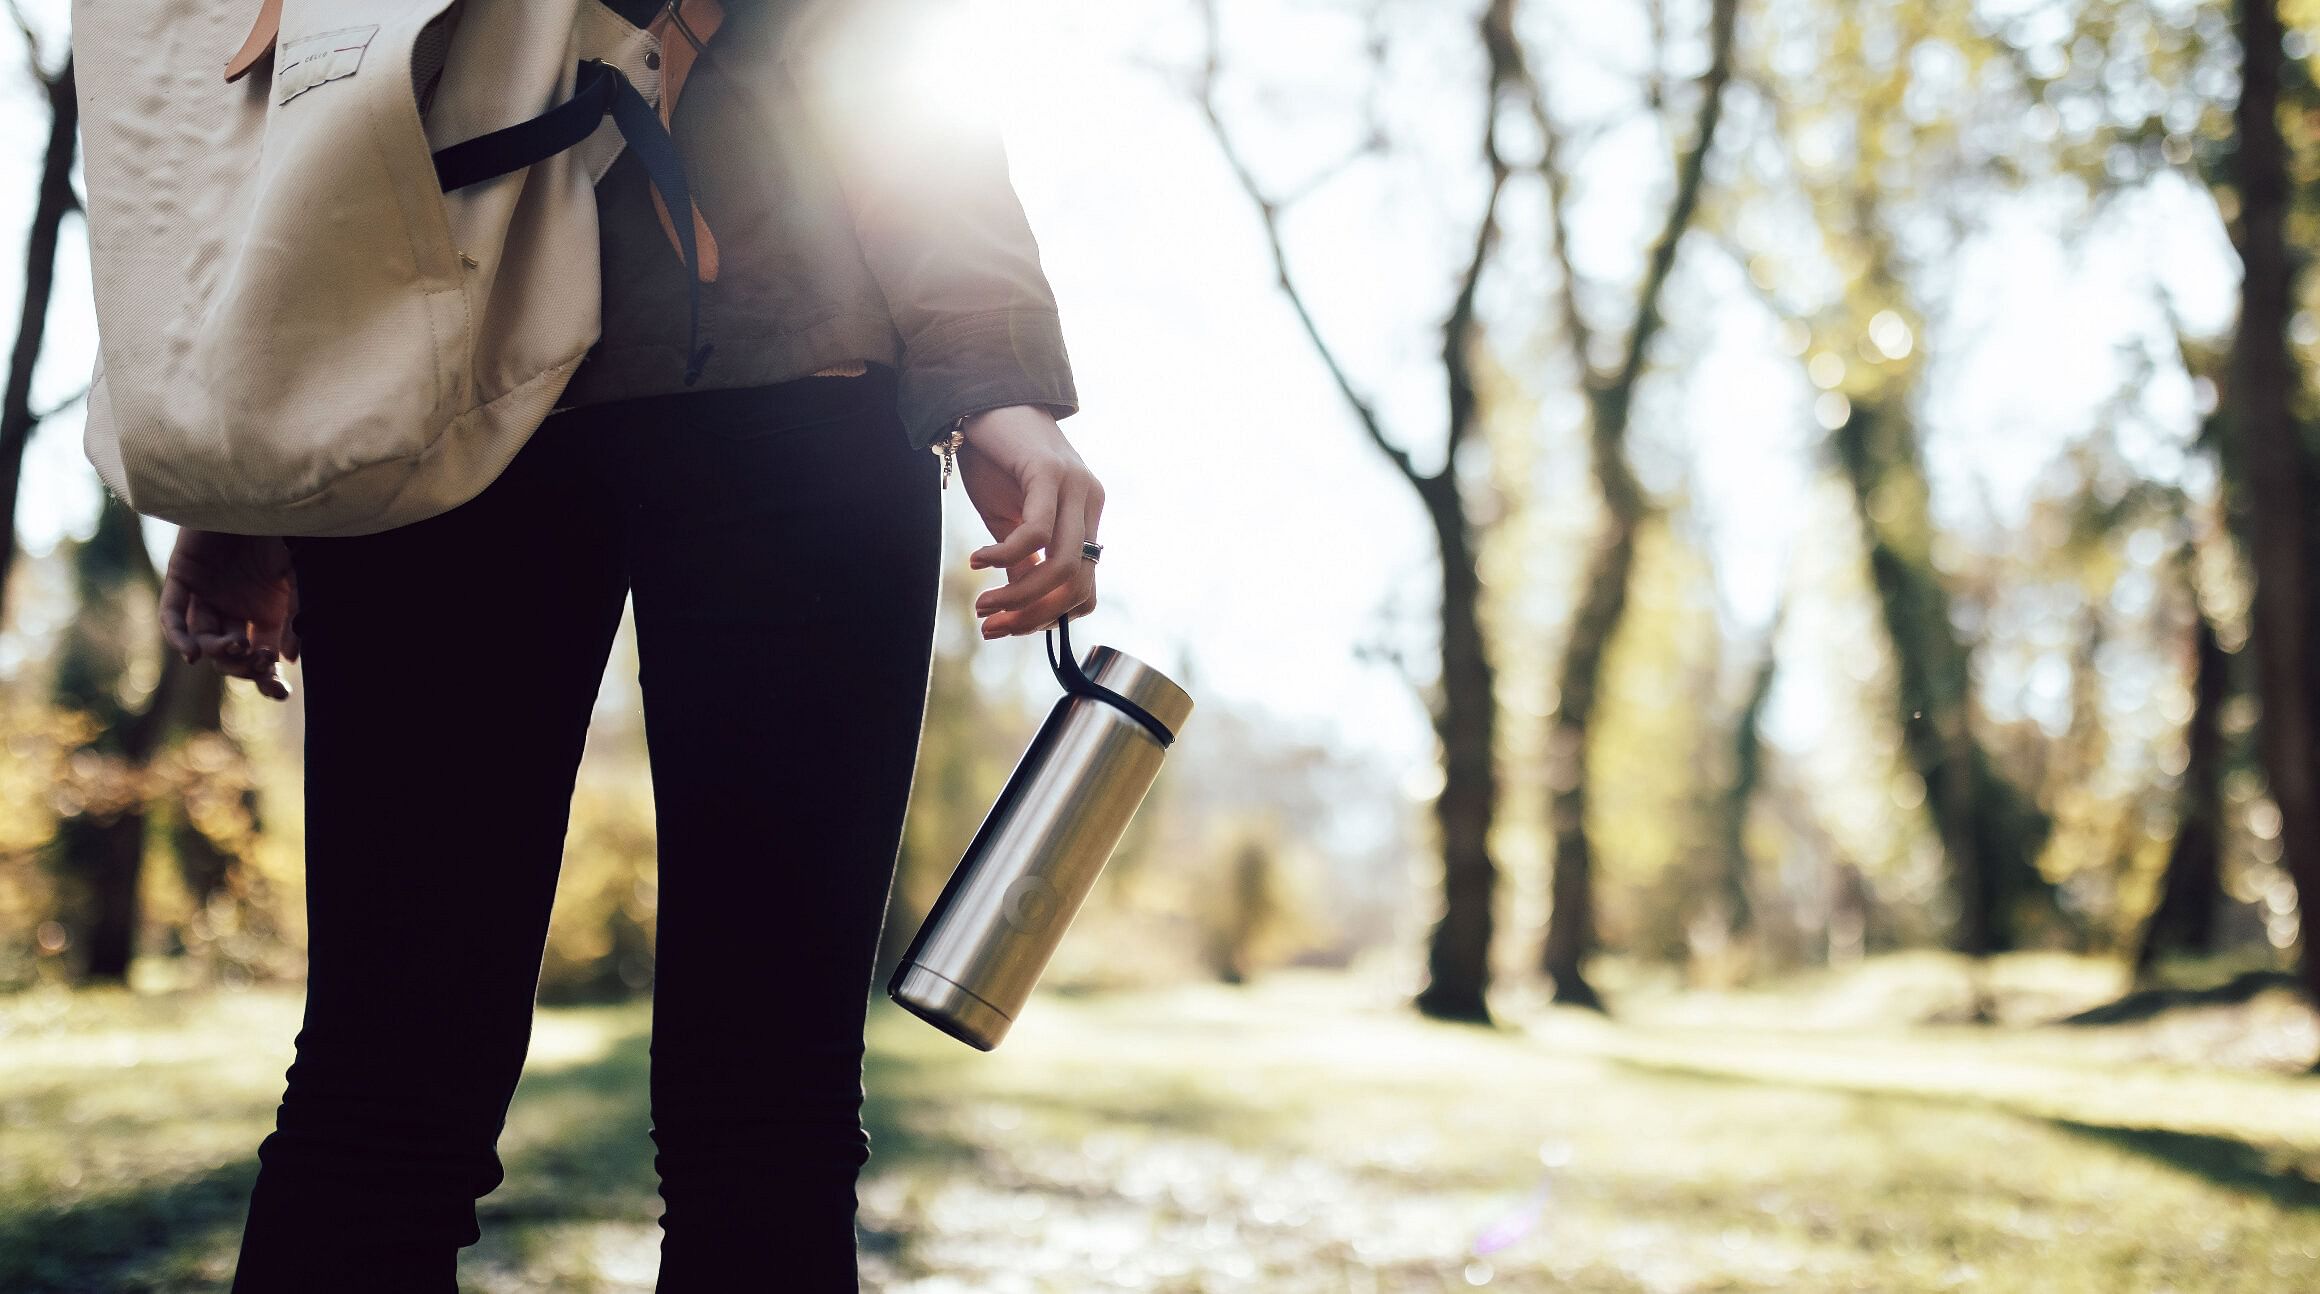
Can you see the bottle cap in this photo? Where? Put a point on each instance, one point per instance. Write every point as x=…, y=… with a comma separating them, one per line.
x=1142, y=684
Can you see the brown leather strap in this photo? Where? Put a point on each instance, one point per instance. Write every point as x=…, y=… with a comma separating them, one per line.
x=702, y=18
x=259, y=43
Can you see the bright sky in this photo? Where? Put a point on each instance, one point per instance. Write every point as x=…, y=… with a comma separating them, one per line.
x=1253, y=537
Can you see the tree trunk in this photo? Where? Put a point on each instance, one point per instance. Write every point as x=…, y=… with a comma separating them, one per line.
x=1736, y=875
x=1990, y=831
x=1458, y=952
x=106, y=855
x=54, y=201
x=1603, y=598
x=99, y=851
x=2184, y=916
x=1571, y=930
x=2277, y=486
x=200, y=711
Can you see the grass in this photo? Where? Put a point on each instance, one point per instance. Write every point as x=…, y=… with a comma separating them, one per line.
x=1305, y=1134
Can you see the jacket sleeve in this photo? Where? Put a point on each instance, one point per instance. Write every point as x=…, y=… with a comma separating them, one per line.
x=938, y=222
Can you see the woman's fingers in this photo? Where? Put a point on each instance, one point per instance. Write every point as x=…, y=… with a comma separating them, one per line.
x=290, y=640
x=208, y=629
x=1062, y=583
x=1040, y=503
x=231, y=603
x=1031, y=534
x=1095, y=516
x=1087, y=573
x=268, y=649
x=1040, y=615
x=228, y=647
x=270, y=634
x=1067, y=526
x=173, y=627
x=267, y=674
x=1016, y=574
x=262, y=666
x=1075, y=598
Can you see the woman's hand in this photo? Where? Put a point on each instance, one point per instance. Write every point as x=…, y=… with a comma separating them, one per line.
x=1037, y=497
x=230, y=599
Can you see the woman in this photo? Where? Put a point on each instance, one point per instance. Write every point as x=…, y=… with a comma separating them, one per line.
x=777, y=524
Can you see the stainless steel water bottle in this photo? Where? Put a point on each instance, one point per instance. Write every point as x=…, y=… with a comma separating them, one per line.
x=1037, y=854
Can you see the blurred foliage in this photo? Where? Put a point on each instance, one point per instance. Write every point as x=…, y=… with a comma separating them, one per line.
x=1996, y=688
x=1952, y=692
x=1650, y=805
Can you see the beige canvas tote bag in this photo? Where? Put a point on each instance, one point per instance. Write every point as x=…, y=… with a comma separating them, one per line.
x=301, y=331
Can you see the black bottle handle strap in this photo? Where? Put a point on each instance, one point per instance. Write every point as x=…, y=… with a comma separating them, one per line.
x=600, y=90
x=1076, y=682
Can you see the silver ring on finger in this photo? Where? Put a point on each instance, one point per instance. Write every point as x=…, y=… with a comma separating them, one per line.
x=1090, y=550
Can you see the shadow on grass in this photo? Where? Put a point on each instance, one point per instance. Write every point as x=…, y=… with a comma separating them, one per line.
x=579, y=1148
x=593, y=1157
x=91, y=1245
x=2146, y=1004
x=2282, y=1176
x=600, y=1143
x=2287, y=1176
x=896, y=1137
x=594, y=1163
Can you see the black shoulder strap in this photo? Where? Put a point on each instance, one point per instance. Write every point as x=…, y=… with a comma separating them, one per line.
x=599, y=90
x=512, y=148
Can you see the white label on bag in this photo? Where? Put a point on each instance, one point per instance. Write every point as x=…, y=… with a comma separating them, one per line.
x=325, y=56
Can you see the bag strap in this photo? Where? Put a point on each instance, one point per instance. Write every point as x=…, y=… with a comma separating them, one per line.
x=512, y=148
x=600, y=90
x=258, y=44
x=677, y=59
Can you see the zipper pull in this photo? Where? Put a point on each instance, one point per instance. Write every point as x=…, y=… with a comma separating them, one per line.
x=949, y=446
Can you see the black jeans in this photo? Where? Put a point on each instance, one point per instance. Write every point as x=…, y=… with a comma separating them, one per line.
x=782, y=546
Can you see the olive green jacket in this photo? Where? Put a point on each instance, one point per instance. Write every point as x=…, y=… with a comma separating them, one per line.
x=859, y=214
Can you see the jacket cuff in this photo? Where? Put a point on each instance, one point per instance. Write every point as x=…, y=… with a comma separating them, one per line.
x=968, y=363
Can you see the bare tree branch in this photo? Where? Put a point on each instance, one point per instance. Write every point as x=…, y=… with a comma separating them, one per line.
x=1269, y=213
x=1505, y=55
x=60, y=406
x=1690, y=174
x=1291, y=197
x=1655, y=89
x=1741, y=257
x=53, y=201
x=40, y=71
x=1552, y=147
x=1458, y=331
x=1576, y=31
